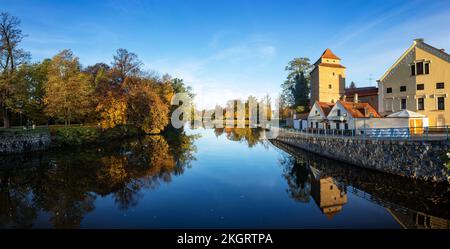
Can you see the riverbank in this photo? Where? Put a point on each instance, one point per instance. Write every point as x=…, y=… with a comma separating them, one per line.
x=15, y=140
x=19, y=141
x=413, y=159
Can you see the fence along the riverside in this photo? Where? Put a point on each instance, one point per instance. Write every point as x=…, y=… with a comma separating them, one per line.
x=397, y=133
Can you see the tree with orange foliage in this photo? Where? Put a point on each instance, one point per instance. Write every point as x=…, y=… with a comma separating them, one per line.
x=146, y=110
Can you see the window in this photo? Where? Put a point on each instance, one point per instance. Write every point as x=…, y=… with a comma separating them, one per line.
x=420, y=86
x=441, y=103
x=403, y=104
x=317, y=125
x=329, y=86
x=402, y=88
x=339, y=112
x=389, y=90
x=312, y=125
x=413, y=69
x=420, y=104
x=419, y=66
x=346, y=126
x=337, y=126
x=440, y=85
x=427, y=68
x=331, y=187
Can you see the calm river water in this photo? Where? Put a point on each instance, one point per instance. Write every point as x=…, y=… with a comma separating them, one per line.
x=207, y=178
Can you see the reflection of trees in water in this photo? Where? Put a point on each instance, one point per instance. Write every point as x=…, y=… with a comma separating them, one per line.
x=65, y=184
x=297, y=177
x=252, y=136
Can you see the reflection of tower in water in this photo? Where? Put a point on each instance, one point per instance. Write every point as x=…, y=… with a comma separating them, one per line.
x=328, y=194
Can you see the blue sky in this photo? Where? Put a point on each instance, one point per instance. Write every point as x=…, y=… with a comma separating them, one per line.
x=229, y=49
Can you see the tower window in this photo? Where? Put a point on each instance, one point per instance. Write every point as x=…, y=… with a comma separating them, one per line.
x=389, y=90
x=330, y=86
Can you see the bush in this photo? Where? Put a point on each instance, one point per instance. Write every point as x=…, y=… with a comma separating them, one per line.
x=81, y=135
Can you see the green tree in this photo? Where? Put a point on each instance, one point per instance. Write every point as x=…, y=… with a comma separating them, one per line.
x=11, y=57
x=295, y=68
x=352, y=85
x=68, y=91
x=29, y=94
x=301, y=91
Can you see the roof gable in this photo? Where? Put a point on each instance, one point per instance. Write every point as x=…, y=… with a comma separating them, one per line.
x=323, y=108
x=418, y=43
x=359, y=110
x=328, y=54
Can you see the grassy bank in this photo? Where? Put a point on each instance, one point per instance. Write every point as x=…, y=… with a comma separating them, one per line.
x=82, y=135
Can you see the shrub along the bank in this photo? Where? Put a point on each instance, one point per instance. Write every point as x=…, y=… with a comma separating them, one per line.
x=82, y=135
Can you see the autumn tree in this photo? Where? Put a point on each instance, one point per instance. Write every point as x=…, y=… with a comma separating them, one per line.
x=146, y=110
x=11, y=57
x=124, y=65
x=68, y=91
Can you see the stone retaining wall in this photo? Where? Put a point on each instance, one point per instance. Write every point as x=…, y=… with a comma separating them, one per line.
x=415, y=159
x=19, y=143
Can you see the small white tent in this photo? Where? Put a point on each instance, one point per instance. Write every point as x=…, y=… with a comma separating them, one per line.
x=415, y=121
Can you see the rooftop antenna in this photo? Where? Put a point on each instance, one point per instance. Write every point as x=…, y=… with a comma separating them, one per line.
x=370, y=79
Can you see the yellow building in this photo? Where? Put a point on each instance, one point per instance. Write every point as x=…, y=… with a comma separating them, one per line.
x=327, y=78
x=326, y=192
x=418, y=81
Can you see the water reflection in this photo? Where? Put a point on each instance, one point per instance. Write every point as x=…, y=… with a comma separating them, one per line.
x=64, y=184
x=251, y=136
x=413, y=204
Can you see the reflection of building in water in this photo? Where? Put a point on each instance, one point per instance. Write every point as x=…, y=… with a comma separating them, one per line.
x=326, y=192
x=418, y=220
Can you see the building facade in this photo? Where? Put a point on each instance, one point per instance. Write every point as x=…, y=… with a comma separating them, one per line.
x=418, y=81
x=327, y=78
x=363, y=94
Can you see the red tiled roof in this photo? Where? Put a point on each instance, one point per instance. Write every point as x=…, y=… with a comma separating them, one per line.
x=359, y=110
x=325, y=107
x=329, y=55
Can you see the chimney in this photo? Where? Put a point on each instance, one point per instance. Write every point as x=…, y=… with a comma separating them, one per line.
x=418, y=40
x=344, y=98
x=355, y=98
x=443, y=50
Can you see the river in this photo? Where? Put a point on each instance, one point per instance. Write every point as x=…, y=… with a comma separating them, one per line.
x=206, y=178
